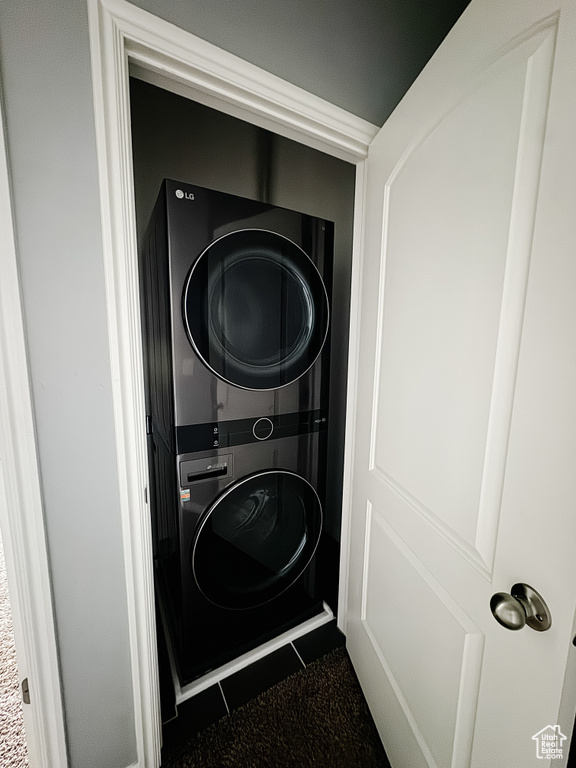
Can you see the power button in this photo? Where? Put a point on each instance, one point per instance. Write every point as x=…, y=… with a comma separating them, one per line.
x=262, y=429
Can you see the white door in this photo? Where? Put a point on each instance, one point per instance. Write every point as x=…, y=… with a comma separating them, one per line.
x=464, y=475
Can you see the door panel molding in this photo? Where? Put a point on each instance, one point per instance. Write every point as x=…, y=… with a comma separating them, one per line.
x=442, y=708
x=459, y=544
x=523, y=216
x=523, y=74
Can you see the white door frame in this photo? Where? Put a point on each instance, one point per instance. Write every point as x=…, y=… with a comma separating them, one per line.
x=125, y=38
x=21, y=513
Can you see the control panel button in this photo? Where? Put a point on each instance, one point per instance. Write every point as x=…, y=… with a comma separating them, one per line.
x=262, y=429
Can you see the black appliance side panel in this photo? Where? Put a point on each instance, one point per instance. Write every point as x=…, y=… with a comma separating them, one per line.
x=158, y=325
x=165, y=528
x=318, y=241
x=157, y=336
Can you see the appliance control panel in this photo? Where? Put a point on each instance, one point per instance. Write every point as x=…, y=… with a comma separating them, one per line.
x=224, y=434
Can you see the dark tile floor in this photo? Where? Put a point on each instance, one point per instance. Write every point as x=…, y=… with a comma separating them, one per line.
x=210, y=705
x=246, y=684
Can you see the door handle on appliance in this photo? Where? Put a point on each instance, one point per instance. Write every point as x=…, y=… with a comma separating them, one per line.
x=522, y=606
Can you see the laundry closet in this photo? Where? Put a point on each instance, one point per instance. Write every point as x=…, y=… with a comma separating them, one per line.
x=257, y=468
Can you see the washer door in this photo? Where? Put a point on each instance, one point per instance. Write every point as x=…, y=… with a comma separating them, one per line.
x=255, y=309
x=256, y=539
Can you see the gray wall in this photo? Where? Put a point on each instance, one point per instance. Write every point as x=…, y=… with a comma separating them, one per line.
x=45, y=69
x=360, y=55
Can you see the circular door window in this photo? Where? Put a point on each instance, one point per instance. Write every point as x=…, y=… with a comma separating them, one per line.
x=256, y=539
x=255, y=309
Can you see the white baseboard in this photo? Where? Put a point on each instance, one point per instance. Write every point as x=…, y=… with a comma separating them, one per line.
x=217, y=675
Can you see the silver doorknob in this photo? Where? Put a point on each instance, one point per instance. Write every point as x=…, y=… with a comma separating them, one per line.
x=522, y=606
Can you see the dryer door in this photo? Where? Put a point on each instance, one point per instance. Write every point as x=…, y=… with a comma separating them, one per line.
x=256, y=309
x=256, y=539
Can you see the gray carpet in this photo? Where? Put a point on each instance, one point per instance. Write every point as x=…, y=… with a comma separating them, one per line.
x=12, y=738
x=316, y=717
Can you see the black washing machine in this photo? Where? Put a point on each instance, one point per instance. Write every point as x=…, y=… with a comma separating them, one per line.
x=248, y=544
x=235, y=297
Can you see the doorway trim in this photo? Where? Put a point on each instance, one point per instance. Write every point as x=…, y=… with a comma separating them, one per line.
x=127, y=40
x=21, y=511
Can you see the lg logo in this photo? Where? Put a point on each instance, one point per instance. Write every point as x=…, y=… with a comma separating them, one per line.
x=185, y=195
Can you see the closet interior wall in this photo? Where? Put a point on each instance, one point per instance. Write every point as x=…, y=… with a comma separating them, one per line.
x=174, y=137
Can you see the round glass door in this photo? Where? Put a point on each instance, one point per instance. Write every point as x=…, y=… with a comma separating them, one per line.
x=255, y=309
x=256, y=539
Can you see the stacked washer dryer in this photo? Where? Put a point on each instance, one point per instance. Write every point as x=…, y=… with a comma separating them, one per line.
x=235, y=297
